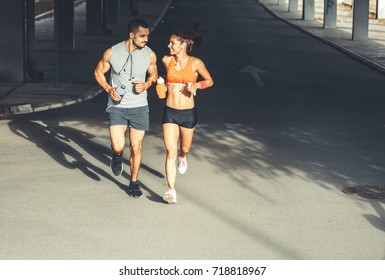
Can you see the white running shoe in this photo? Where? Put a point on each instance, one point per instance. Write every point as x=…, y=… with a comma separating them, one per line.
x=182, y=164
x=170, y=197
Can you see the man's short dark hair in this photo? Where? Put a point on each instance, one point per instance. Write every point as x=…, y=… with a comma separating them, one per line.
x=134, y=25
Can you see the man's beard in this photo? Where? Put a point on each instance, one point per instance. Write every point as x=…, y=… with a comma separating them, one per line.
x=139, y=47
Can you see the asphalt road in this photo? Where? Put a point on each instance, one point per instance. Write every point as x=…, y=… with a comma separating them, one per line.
x=289, y=123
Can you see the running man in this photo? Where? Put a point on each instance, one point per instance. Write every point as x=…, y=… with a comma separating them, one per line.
x=129, y=62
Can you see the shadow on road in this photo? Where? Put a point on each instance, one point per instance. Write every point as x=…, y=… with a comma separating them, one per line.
x=331, y=155
x=59, y=143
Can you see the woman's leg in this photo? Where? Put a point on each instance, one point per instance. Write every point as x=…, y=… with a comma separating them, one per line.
x=170, y=137
x=186, y=137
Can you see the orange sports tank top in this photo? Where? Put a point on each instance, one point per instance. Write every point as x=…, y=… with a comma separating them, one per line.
x=184, y=76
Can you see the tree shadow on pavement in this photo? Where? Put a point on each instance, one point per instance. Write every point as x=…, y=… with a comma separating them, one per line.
x=59, y=142
x=325, y=155
x=332, y=157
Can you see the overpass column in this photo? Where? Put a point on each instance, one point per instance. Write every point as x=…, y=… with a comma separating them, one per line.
x=30, y=24
x=124, y=7
x=360, y=20
x=380, y=9
x=330, y=14
x=133, y=7
x=66, y=17
x=293, y=5
x=94, y=17
x=130, y=7
x=31, y=71
x=12, y=55
x=112, y=11
x=308, y=9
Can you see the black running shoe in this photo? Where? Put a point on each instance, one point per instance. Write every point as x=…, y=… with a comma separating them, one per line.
x=134, y=190
x=116, y=164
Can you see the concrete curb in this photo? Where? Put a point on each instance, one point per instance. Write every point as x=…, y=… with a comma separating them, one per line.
x=51, y=13
x=7, y=111
x=91, y=93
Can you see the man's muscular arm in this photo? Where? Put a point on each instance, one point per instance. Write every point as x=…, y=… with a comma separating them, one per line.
x=152, y=72
x=101, y=69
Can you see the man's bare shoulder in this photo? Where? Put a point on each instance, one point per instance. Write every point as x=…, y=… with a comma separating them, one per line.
x=107, y=54
x=166, y=59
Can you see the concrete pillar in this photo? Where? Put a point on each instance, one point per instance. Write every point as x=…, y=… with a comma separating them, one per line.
x=124, y=7
x=130, y=7
x=31, y=71
x=12, y=46
x=133, y=7
x=330, y=14
x=94, y=17
x=66, y=17
x=30, y=24
x=293, y=5
x=308, y=11
x=112, y=11
x=380, y=9
x=360, y=20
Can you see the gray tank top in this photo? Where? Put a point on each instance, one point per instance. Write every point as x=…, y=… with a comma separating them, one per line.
x=125, y=69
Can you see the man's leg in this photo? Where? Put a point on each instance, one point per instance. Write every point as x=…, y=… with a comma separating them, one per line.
x=136, y=140
x=118, y=138
x=118, y=142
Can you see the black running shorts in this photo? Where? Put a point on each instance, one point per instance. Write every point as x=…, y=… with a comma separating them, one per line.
x=185, y=118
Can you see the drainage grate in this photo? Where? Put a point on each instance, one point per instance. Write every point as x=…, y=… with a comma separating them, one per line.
x=369, y=192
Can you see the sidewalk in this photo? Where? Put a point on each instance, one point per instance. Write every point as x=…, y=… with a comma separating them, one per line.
x=76, y=81
x=371, y=51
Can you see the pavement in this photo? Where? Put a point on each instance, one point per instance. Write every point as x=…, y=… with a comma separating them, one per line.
x=76, y=83
x=266, y=178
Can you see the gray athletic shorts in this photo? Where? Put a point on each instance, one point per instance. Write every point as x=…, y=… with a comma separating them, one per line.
x=137, y=118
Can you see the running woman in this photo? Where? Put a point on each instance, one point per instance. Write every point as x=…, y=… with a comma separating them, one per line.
x=180, y=116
